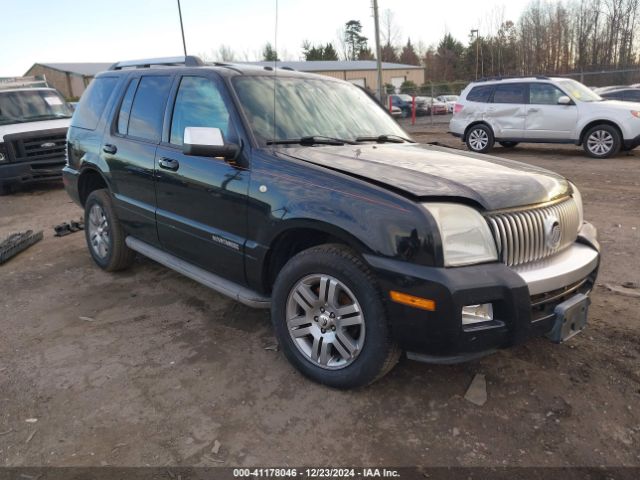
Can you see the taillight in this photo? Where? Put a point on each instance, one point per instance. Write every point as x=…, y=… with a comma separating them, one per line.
x=458, y=108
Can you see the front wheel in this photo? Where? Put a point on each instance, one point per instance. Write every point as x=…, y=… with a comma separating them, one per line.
x=479, y=139
x=602, y=141
x=330, y=319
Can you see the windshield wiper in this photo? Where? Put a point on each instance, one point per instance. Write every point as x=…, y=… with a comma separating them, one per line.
x=384, y=139
x=312, y=140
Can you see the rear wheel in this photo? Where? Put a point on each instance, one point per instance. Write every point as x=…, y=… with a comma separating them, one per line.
x=602, y=141
x=330, y=319
x=479, y=138
x=508, y=144
x=104, y=234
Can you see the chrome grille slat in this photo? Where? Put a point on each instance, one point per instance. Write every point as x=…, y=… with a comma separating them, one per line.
x=520, y=235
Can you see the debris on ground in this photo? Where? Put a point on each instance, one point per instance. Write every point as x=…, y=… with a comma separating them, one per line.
x=7, y=432
x=216, y=447
x=272, y=348
x=87, y=319
x=477, y=391
x=211, y=459
x=622, y=290
x=17, y=242
x=31, y=436
x=65, y=228
x=31, y=420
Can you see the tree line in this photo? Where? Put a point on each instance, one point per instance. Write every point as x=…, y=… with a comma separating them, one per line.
x=562, y=37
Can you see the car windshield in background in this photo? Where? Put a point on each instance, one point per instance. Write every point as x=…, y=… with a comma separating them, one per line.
x=308, y=108
x=21, y=106
x=579, y=92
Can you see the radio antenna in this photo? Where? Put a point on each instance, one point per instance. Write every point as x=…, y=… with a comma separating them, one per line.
x=275, y=69
x=184, y=44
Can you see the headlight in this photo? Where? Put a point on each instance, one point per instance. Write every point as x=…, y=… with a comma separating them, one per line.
x=578, y=199
x=3, y=153
x=466, y=238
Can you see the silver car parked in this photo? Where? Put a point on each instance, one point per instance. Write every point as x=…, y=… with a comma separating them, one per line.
x=544, y=110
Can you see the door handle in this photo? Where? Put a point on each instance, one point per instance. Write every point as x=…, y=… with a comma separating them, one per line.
x=109, y=148
x=169, y=164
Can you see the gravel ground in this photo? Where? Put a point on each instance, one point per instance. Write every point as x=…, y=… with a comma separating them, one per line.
x=146, y=367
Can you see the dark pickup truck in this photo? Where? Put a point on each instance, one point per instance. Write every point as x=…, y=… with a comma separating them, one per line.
x=299, y=193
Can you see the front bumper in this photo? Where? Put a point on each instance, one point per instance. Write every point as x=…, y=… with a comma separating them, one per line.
x=31, y=172
x=631, y=143
x=523, y=300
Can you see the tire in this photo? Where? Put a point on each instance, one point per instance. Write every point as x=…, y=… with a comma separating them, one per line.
x=104, y=234
x=303, y=326
x=479, y=138
x=508, y=144
x=602, y=141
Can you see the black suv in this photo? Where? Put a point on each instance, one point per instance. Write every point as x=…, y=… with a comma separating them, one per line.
x=299, y=193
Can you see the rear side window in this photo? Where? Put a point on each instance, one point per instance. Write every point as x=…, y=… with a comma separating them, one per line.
x=480, y=94
x=92, y=103
x=147, y=111
x=125, y=108
x=509, y=93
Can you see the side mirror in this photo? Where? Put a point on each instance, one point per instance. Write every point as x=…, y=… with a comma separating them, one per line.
x=208, y=142
x=564, y=100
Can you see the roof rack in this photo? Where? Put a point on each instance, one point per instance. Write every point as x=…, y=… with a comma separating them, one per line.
x=188, y=61
x=36, y=81
x=510, y=77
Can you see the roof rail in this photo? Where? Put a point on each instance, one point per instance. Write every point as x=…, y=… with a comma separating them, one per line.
x=188, y=61
x=510, y=77
x=36, y=81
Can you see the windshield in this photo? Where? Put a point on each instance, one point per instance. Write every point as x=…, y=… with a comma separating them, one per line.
x=309, y=107
x=578, y=91
x=19, y=106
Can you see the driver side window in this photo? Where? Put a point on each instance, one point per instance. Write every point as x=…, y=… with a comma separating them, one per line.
x=199, y=103
x=544, y=94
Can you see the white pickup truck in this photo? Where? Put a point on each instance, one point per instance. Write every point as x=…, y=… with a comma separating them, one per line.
x=33, y=128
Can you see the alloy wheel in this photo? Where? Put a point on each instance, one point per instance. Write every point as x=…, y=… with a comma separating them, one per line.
x=478, y=139
x=325, y=321
x=99, y=231
x=600, y=142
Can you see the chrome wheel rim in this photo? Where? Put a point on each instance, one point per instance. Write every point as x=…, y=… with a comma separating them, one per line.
x=600, y=142
x=325, y=321
x=99, y=232
x=478, y=139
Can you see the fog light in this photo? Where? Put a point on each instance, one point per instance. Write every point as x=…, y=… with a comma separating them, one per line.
x=477, y=313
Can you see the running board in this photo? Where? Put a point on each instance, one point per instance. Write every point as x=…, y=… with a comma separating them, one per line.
x=230, y=289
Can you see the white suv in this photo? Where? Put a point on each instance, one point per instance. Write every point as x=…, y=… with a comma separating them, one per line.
x=544, y=110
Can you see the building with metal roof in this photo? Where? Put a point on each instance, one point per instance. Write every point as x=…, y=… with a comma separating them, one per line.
x=71, y=79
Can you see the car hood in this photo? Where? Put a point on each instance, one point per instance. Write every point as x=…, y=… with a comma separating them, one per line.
x=432, y=171
x=33, y=126
x=617, y=105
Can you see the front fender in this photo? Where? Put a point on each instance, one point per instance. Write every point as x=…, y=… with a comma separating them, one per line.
x=286, y=194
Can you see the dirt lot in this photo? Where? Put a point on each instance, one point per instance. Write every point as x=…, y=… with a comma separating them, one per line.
x=161, y=368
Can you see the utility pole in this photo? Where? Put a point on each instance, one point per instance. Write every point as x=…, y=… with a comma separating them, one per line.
x=184, y=44
x=376, y=21
x=477, y=45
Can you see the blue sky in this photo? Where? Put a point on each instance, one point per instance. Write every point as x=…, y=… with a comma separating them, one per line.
x=111, y=30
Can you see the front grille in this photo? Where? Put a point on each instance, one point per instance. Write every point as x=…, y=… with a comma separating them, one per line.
x=41, y=147
x=543, y=304
x=521, y=237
